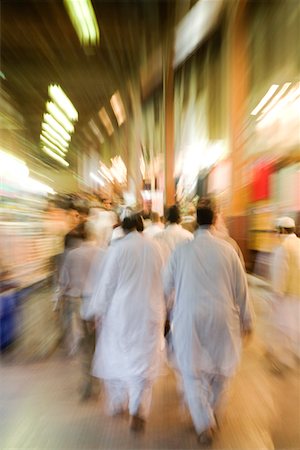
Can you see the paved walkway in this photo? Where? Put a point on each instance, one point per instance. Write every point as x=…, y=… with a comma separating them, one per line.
x=40, y=408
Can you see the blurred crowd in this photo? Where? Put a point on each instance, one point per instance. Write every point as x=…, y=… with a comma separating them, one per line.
x=134, y=290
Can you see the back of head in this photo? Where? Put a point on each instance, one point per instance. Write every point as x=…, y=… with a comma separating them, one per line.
x=173, y=214
x=205, y=216
x=286, y=225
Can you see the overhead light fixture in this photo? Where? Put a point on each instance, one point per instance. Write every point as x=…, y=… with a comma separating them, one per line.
x=54, y=134
x=265, y=99
x=104, y=117
x=59, y=116
x=96, y=131
x=55, y=156
x=60, y=98
x=63, y=147
x=96, y=178
x=118, y=107
x=275, y=99
x=84, y=21
x=52, y=146
x=56, y=126
x=194, y=28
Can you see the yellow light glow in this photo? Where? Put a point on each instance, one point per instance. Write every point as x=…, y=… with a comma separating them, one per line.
x=56, y=127
x=84, y=21
x=59, y=116
x=61, y=99
x=55, y=156
x=105, y=172
x=118, y=108
x=96, y=178
x=30, y=184
x=104, y=117
x=118, y=169
x=52, y=146
x=12, y=167
x=55, y=135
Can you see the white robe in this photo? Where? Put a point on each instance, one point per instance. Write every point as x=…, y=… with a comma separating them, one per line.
x=130, y=301
x=285, y=315
x=170, y=237
x=211, y=305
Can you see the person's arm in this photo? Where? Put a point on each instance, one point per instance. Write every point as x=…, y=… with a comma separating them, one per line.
x=279, y=270
x=242, y=297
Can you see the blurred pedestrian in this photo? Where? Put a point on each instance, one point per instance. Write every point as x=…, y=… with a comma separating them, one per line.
x=155, y=227
x=129, y=304
x=173, y=234
x=75, y=290
x=285, y=273
x=210, y=311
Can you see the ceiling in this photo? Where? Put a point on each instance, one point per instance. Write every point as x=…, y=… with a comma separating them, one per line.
x=39, y=46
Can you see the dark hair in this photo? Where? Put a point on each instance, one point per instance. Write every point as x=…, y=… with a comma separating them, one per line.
x=288, y=230
x=173, y=214
x=129, y=223
x=133, y=222
x=83, y=210
x=139, y=223
x=205, y=215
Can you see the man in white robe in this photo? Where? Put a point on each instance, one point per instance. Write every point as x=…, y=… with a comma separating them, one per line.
x=130, y=304
x=210, y=312
x=173, y=234
x=285, y=280
x=77, y=279
x=155, y=227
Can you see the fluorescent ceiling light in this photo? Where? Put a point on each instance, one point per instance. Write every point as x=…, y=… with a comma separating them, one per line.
x=52, y=146
x=59, y=116
x=118, y=107
x=276, y=98
x=96, y=131
x=55, y=156
x=55, y=135
x=194, y=27
x=61, y=99
x=265, y=99
x=104, y=117
x=84, y=21
x=96, y=178
x=62, y=147
x=56, y=126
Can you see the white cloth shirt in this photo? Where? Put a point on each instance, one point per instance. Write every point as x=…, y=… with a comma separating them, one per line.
x=76, y=268
x=170, y=237
x=153, y=229
x=211, y=305
x=129, y=299
x=285, y=268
